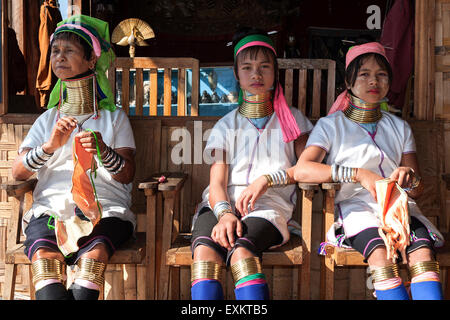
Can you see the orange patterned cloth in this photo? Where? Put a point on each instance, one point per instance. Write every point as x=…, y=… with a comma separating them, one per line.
x=395, y=219
x=68, y=232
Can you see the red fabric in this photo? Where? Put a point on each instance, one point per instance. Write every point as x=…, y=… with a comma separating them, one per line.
x=398, y=39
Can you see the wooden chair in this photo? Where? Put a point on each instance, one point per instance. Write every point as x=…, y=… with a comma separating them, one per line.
x=296, y=252
x=300, y=91
x=136, y=251
x=429, y=141
x=140, y=65
x=342, y=257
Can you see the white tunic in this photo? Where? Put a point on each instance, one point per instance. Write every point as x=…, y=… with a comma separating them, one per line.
x=251, y=153
x=53, y=189
x=348, y=144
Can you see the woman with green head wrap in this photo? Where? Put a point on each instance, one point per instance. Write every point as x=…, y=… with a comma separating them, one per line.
x=82, y=149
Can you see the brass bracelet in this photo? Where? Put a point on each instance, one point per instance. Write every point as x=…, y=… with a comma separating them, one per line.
x=91, y=270
x=245, y=267
x=384, y=273
x=424, y=266
x=269, y=180
x=205, y=270
x=44, y=269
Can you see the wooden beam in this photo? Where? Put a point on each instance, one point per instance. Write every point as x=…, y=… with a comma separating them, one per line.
x=424, y=81
x=4, y=57
x=74, y=7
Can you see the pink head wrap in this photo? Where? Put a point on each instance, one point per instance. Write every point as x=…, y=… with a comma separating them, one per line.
x=288, y=124
x=342, y=100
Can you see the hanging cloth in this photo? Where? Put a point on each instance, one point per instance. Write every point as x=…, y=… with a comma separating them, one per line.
x=49, y=18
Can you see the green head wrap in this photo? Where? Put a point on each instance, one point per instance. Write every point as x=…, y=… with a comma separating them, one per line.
x=96, y=33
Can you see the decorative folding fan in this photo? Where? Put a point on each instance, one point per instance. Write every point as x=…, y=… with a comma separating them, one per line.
x=132, y=32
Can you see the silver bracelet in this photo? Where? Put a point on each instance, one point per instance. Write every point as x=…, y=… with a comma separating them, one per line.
x=222, y=207
x=35, y=159
x=278, y=179
x=343, y=174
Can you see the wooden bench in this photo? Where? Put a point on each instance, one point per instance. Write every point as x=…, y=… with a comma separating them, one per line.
x=154, y=147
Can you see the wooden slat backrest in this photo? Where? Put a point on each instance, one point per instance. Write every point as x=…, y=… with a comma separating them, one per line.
x=294, y=75
x=151, y=65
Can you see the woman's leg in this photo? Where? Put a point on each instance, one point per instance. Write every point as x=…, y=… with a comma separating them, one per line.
x=208, y=259
x=245, y=258
x=205, y=274
x=94, y=254
x=47, y=269
x=385, y=276
x=424, y=270
x=47, y=261
x=89, y=277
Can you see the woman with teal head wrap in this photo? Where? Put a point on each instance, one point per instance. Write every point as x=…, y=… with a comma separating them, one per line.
x=82, y=150
x=95, y=33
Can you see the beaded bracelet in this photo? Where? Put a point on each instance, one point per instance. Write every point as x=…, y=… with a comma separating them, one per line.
x=35, y=159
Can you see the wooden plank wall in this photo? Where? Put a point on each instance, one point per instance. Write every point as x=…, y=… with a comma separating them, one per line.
x=442, y=81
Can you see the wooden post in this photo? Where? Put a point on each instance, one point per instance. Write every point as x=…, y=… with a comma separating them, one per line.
x=424, y=81
x=4, y=57
x=307, y=206
x=327, y=264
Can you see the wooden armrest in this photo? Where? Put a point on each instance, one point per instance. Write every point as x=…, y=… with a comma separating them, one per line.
x=174, y=181
x=308, y=186
x=331, y=186
x=446, y=177
x=18, y=187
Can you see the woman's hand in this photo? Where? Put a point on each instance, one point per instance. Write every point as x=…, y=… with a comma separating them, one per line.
x=88, y=142
x=367, y=179
x=408, y=180
x=404, y=176
x=60, y=134
x=251, y=194
x=223, y=232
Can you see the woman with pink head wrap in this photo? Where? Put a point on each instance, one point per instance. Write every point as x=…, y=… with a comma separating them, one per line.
x=362, y=144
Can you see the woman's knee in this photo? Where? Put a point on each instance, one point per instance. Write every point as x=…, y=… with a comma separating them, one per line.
x=99, y=253
x=420, y=255
x=378, y=258
x=205, y=253
x=46, y=253
x=239, y=254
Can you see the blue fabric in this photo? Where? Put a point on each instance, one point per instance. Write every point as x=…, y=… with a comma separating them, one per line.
x=252, y=292
x=397, y=293
x=426, y=290
x=260, y=123
x=370, y=127
x=207, y=290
